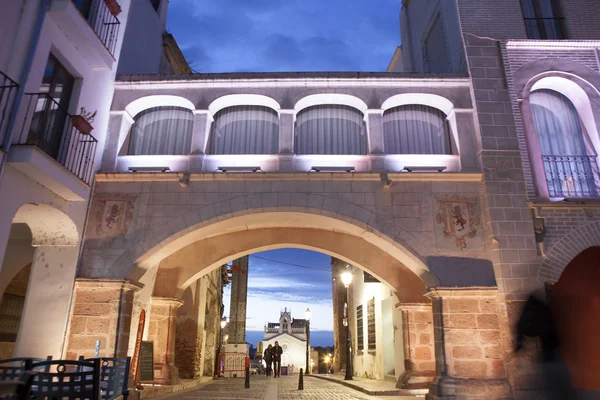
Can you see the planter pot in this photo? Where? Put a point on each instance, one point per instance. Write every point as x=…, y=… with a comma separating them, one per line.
x=81, y=124
x=113, y=7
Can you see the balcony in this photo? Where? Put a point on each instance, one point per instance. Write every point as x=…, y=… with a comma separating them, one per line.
x=101, y=20
x=571, y=176
x=8, y=92
x=91, y=27
x=51, y=151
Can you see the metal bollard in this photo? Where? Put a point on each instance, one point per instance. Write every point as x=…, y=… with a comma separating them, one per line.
x=247, y=381
x=301, y=381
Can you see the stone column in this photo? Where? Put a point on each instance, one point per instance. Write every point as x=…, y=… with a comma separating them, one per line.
x=102, y=311
x=239, y=299
x=419, y=352
x=376, y=149
x=200, y=132
x=468, y=347
x=375, y=131
x=46, y=310
x=286, y=131
x=161, y=331
x=286, y=140
x=190, y=330
x=119, y=125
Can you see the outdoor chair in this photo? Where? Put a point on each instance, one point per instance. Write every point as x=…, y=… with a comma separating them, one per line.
x=63, y=379
x=12, y=369
x=114, y=374
x=13, y=378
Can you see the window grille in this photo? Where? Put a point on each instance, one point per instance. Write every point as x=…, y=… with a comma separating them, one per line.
x=360, y=328
x=371, y=345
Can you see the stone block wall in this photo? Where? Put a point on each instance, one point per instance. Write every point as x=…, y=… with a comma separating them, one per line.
x=162, y=332
x=468, y=343
x=339, y=330
x=190, y=332
x=101, y=311
x=417, y=325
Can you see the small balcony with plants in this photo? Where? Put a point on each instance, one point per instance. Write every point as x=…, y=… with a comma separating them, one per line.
x=55, y=148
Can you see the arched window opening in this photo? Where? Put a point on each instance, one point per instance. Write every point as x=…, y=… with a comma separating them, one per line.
x=569, y=159
x=416, y=129
x=245, y=130
x=162, y=131
x=330, y=129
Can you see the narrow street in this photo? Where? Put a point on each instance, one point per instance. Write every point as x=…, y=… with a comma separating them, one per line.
x=284, y=388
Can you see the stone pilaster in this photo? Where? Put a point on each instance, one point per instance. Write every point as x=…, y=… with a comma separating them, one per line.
x=419, y=351
x=468, y=346
x=162, y=331
x=339, y=300
x=101, y=311
x=239, y=294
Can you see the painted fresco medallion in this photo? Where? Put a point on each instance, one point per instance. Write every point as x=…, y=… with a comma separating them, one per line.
x=113, y=215
x=458, y=222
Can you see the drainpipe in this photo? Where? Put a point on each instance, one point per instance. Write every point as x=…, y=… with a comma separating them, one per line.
x=21, y=91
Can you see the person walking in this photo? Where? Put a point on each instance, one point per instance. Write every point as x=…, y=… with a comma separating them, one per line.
x=267, y=356
x=276, y=353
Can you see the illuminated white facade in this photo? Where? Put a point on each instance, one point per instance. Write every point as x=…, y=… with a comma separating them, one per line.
x=56, y=57
x=287, y=98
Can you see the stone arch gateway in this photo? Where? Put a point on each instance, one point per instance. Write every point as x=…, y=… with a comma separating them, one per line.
x=174, y=228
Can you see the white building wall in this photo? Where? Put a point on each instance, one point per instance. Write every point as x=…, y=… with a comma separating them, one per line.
x=143, y=46
x=294, y=351
x=31, y=177
x=388, y=357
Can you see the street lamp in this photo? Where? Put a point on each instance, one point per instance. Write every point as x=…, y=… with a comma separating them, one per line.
x=217, y=360
x=346, y=280
x=307, y=314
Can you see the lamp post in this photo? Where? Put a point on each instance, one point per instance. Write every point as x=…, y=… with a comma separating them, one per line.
x=217, y=361
x=346, y=280
x=307, y=314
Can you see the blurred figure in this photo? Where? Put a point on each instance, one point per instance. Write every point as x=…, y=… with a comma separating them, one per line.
x=537, y=321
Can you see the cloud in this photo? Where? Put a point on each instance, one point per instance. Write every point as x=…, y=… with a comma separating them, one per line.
x=272, y=286
x=292, y=35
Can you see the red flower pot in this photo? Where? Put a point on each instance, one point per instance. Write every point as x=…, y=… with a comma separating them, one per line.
x=81, y=124
x=113, y=7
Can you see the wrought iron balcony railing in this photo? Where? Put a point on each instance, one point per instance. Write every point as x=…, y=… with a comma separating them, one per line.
x=572, y=176
x=52, y=131
x=102, y=21
x=8, y=93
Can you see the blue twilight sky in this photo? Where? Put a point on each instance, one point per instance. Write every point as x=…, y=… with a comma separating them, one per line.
x=272, y=286
x=286, y=35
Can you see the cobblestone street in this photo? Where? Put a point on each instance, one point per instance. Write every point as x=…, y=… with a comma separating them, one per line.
x=285, y=388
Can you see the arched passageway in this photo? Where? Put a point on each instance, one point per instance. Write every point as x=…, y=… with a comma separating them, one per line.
x=166, y=261
x=36, y=281
x=576, y=305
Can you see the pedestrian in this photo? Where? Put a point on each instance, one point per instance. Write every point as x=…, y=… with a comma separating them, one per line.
x=276, y=353
x=537, y=321
x=267, y=356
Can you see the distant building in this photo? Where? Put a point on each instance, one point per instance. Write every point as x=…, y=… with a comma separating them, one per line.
x=147, y=47
x=291, y=335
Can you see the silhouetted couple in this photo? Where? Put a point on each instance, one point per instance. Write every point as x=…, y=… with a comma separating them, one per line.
x=272, y=357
